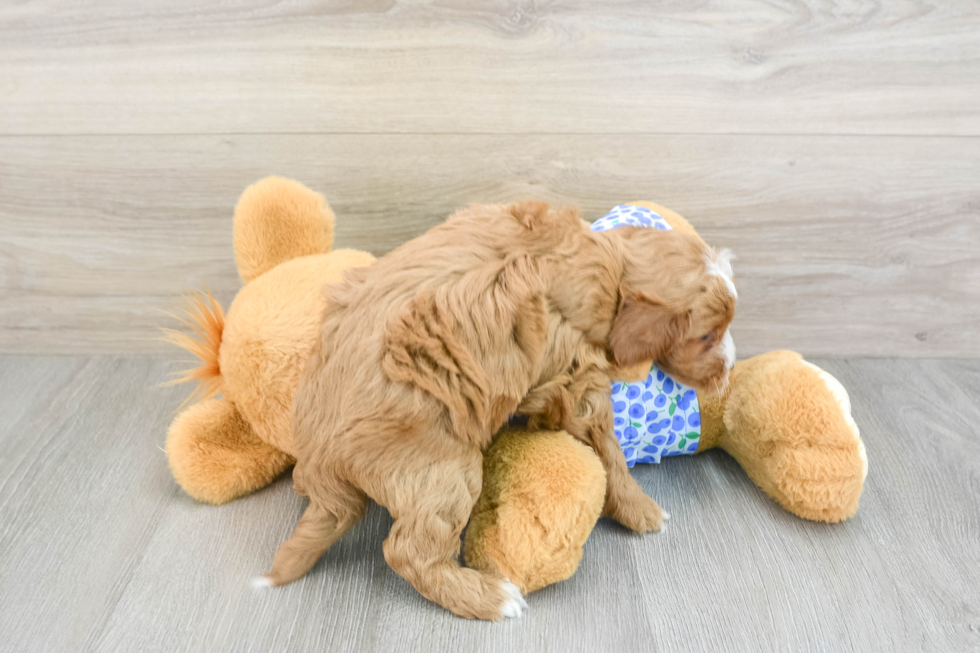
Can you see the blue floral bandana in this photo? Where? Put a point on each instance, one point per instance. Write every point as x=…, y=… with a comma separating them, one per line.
x=659, y=416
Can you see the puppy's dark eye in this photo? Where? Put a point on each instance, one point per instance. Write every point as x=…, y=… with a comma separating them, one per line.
x=705, y=337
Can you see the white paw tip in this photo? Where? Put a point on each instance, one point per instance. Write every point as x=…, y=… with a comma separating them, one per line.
x=666, y=515
x=261, y=582
x=514, y=606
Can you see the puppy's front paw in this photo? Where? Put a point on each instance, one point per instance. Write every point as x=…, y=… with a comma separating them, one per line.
x=639, y=512
x=514, y=605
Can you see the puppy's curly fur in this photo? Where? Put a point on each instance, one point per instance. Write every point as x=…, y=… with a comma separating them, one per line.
x=423, y=355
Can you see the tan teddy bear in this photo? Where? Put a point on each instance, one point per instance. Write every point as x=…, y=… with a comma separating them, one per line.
x=220, y=449
x=784, y=420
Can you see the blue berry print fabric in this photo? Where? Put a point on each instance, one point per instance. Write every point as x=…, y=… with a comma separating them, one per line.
x=655, y=418
x=659, y=416
x=625, y=215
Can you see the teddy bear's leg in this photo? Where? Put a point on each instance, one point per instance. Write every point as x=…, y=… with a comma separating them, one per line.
x=216, y=457
x=788, y=423
x=844, y=401
x=542, y=494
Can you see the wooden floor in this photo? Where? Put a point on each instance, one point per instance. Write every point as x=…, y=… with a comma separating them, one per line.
x=101, y=551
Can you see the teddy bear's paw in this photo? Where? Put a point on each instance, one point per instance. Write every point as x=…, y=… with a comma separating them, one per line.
x=844, y=401
x=515, y=605
x=639, y=513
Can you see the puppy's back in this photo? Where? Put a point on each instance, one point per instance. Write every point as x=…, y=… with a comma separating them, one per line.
x=458, y=313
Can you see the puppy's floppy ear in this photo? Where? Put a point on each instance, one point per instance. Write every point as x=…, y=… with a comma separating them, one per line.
x=645, y=328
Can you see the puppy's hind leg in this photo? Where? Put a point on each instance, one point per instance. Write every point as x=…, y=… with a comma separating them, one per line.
x=431, y=508
x=326, y=519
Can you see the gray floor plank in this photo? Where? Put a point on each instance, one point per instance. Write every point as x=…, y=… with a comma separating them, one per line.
x=84, y=485
x=102, y=552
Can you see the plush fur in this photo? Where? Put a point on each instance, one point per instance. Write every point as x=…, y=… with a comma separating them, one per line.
x=423, y=355
x=223, y=448
x=216, y=455
x=521, y=525
x=278, y=220
x=805, y=450
x=787, y=423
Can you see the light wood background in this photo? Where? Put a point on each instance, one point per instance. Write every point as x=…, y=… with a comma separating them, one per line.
x=101, y=551
x=835, y=146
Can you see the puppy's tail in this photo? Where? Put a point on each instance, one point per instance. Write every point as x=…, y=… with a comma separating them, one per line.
x=205, y=317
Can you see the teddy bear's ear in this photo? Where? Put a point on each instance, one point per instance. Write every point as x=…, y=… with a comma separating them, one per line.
x=645, y=328
x=277, y=220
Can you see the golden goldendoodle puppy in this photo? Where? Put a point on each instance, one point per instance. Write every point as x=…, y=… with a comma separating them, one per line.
x=499, y=310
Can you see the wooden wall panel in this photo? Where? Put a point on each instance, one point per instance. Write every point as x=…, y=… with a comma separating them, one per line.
x=457, y=66
x=847, y=245
x=834, y=145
